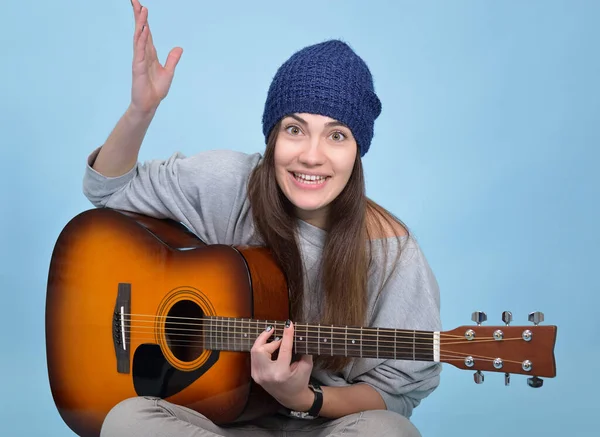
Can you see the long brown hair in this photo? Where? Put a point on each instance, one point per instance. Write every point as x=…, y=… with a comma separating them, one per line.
x=353, y=220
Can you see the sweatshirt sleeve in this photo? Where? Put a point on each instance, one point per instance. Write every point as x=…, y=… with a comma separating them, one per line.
x=410, y=300
x=206, y=191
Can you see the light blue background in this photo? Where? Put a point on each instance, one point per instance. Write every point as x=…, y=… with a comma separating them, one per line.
x=487, y=147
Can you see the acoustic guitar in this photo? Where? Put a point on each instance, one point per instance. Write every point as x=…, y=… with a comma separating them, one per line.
x=138, y=306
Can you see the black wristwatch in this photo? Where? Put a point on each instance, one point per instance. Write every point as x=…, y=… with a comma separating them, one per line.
x=314, y=410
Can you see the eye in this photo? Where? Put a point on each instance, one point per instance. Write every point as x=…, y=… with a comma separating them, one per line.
x=338, y=136
x=293, y=129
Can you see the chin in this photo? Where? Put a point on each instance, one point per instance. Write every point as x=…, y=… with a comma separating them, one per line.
x=306, y=206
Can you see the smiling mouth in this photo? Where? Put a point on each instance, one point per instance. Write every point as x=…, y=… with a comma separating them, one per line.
x=309, y=179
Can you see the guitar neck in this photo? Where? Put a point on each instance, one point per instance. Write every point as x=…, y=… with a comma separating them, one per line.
x=234, y=334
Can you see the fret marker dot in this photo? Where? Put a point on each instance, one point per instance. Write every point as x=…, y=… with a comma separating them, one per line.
x=301, y=338
x=353, y=341
x=324, y=340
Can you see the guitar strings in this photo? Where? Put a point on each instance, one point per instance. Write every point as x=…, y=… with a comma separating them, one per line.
x=445, y=354
x=385, y=347
x=383, y=341
x=387, y=337
x=322, y=331
x=299, y=337
x=312, y=328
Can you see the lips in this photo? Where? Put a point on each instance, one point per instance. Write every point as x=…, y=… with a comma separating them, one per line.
x=306, y=181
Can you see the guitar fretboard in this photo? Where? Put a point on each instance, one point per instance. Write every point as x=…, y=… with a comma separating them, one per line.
x=234, y=334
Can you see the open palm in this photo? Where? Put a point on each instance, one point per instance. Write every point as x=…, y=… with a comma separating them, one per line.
x=150, y=80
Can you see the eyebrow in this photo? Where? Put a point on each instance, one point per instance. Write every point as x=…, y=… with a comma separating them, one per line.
x=328, y=124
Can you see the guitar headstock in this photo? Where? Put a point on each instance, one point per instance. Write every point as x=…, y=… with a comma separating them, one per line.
x=525, y=350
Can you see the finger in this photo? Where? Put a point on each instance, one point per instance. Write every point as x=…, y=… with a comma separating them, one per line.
x=304, y=364
x=140, y=24
x=260, y=344
x=136, y=6
x=151, y=49
x=140, y=48
x=149, y=42
x=173, y=59
x=271, y=347
x=287, y=343
x=263, y=337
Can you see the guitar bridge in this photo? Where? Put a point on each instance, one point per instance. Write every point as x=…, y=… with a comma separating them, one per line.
x=120, y=329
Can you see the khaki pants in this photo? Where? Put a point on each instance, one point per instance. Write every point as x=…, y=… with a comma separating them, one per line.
x=152, y=417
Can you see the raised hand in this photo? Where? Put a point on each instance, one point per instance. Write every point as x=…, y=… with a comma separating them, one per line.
x=287, y=382
x=151, y=81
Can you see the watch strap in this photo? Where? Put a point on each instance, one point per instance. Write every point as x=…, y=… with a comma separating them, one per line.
x=315, y=408
x=318, y=402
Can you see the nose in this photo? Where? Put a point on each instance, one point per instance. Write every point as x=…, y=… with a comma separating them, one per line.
x=312, y=154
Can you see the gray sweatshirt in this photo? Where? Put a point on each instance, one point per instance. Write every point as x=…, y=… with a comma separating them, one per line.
x=207, y=193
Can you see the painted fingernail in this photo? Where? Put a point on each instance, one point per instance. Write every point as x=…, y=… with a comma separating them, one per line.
x=269, y=328
x=287, y=323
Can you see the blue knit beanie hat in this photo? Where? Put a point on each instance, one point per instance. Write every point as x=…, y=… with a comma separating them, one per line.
x=327, y=79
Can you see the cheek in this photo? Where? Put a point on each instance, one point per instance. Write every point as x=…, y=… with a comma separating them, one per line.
x=348, y=165
x=280, y=164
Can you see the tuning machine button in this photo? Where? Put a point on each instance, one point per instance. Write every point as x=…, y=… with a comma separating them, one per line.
x=479, y=317
x=535, y=382
x=507, y=317
x=536, y=317
x=478, y=377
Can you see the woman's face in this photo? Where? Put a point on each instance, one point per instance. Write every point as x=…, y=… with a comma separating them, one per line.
x=314, y=157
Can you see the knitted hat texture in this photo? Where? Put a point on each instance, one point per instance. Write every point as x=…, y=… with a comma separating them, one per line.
x=329, y=79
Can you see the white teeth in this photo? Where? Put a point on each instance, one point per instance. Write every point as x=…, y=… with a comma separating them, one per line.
x=310, y=179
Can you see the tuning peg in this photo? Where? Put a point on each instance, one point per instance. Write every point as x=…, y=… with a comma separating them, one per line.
x=535, y=382
x=507, y=379
x=478, y=377
x=507, y=317
x=479, y=317
x=536, y=317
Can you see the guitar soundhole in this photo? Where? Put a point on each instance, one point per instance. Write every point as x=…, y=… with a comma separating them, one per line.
x=184, y=330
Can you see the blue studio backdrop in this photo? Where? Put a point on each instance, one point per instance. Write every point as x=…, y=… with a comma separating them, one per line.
x=487, y=147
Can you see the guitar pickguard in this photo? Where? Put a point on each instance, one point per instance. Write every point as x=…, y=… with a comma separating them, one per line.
x=153, y=375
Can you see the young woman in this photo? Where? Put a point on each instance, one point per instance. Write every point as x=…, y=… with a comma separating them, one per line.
x=347, y=260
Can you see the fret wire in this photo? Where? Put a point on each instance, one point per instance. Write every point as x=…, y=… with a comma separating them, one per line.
x=331, y=340
x=306, y=337
x=361, y=342
x=346, y=342
x=319, y=340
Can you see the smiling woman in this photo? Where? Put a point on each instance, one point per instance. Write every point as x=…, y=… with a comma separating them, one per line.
x=314, y=158
x=346, y=260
